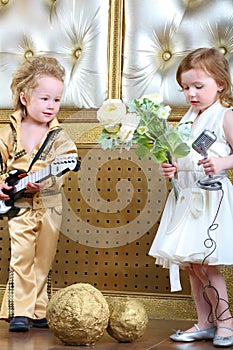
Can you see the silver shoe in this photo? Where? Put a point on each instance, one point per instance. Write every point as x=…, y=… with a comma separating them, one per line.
x=204, y=334
x=223, y=342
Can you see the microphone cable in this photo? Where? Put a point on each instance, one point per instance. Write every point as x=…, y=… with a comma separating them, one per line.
x=210, y=243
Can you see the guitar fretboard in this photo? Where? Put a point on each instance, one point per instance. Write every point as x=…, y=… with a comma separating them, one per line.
x=38, y=176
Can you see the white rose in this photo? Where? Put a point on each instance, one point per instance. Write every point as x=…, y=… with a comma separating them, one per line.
x=111, y=112
x=129, y=124
x=164, y=112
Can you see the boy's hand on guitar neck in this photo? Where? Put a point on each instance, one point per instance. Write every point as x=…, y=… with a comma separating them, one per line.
x=4, y=196
x=34, y=186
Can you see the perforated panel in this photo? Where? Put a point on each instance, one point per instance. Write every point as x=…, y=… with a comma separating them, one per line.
x=112, y=208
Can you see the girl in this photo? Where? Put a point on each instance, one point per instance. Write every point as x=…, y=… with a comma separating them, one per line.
x=196, y=231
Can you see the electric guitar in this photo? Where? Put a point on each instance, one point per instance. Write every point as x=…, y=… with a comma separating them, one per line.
x=18, y=179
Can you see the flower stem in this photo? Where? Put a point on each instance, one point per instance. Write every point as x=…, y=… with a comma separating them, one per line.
x=169, y=157
x=173, y=181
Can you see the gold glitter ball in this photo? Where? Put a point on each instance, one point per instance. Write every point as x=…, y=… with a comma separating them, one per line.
x=128, y=320
x=78, y=314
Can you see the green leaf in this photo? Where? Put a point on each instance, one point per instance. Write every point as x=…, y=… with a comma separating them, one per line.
x=108, y=141
x=159, y=156
x=106, y=144
x=181, y=150
x=142, y=151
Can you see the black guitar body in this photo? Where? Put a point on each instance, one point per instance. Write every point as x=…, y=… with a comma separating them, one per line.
x=12, y=180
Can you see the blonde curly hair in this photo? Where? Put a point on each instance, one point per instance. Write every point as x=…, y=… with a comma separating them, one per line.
x=27, y=74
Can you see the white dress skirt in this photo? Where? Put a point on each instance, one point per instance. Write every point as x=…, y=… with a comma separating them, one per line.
x=198, y=227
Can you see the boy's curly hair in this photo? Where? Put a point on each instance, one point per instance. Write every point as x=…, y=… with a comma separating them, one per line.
x=26, y=76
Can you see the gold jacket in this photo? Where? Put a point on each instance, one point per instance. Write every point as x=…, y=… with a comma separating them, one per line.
x=14, y=156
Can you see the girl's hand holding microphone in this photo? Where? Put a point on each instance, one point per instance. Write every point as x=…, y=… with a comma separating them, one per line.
x=213, y=165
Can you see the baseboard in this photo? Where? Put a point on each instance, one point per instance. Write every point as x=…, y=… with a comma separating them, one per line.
x=157, y=307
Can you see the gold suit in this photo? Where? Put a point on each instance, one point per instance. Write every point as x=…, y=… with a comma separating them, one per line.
x=34, y=230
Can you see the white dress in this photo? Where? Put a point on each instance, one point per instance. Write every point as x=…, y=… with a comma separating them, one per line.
x=185, y=234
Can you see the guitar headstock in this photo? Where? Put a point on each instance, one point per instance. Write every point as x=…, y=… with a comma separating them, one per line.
x=65, y=163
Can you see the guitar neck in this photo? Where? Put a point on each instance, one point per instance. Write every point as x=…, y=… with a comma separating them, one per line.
x=37, y=176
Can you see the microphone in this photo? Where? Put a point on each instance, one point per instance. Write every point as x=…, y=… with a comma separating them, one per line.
x=201, y=145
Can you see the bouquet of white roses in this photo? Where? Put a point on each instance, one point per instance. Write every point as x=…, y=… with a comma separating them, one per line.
x=143, y=122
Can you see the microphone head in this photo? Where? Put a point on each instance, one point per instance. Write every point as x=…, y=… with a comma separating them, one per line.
x=203, y=142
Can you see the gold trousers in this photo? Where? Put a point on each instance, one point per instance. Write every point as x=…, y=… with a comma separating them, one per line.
x=34, y=235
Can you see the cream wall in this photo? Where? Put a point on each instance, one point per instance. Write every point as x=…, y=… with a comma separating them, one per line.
x=111, y=47
x=75, y=32
x=160, y=33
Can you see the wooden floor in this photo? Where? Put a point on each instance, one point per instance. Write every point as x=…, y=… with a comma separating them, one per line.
x=156, y=337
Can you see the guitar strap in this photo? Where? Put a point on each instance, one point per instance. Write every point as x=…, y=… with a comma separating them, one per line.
x=41, y=148
x=1, y=163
